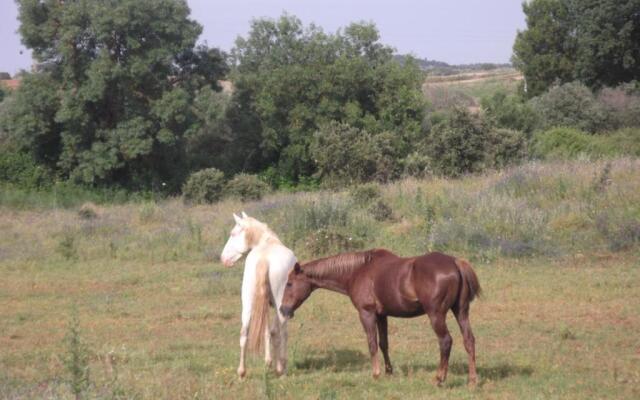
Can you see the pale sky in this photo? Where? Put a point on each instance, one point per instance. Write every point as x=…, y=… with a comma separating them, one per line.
x=454, y=31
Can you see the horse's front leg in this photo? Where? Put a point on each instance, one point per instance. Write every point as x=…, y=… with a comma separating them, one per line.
x=280, y=336
x=244, y=329
x=368, y=320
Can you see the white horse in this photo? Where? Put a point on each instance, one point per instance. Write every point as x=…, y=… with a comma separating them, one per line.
x=265, y=276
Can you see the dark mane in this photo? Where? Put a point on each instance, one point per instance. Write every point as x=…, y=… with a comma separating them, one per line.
x=337, y=265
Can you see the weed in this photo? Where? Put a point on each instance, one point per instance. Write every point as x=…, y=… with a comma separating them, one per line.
x=380, y=211
x=363, y=195
x=76, y=359
x=67, y=246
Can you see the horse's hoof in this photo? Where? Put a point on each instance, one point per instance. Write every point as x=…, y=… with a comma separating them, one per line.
x=437, y=381
x=241, y=373
x=376, y=375
x=473, y=383
x=388, y=371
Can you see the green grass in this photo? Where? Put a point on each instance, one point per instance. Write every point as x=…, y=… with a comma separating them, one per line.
x=553, y=245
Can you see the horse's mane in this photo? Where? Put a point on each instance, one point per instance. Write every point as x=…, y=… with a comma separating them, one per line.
x=256, y=229
x=337, y=265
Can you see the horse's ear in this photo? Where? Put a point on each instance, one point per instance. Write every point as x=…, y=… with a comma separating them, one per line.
x=244, y=215
x=236, y=218
x=297, y=268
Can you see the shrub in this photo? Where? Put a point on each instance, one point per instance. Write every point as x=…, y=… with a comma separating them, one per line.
x=204, y=186
x=344, y=154
x=417, y=164
x=246, y=187
x=20, y=169
x=457, y=145
x=560, y=143
x=509, y=111
x=505, y=147
x=622, y=104
x=365, y=193
x=88, y=211
x=380, y=211
x=572, y=105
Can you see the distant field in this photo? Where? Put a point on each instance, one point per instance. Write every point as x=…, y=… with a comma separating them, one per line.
x=552, y=244
x=468, y=89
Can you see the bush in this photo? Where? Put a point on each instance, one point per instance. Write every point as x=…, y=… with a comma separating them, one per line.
x=246, y=187
x=622, y=104
x=417, y=164
x=560, y=143
x=457, y=145
x=563, y=143
x=344, y=154
x=571, y=105
x=88, y=211
x=204, y=186
x=380, y=211
x=505, y=147
x=365, y=193
x=509, y=111
x=19, y=169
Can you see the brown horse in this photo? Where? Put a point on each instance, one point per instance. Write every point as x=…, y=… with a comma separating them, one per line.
x=382, y=284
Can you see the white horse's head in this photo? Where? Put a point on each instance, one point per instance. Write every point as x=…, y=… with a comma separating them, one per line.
x=238, y=242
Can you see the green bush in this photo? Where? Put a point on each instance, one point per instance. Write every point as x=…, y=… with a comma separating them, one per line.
x=505, y=147
x=380, y=211
x=564, y=143
x=344, y=154
x=204, y=186
x=457, y=145
x=246, y=187
x=365, y=193
x=20, y=170
x=560, y=143
x=571, y=105
x=509, y=111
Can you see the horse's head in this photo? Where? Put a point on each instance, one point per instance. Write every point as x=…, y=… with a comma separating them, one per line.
x=238, y=242
x=298, y=288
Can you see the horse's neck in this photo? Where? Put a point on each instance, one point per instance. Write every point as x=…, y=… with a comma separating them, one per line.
x=334, y=281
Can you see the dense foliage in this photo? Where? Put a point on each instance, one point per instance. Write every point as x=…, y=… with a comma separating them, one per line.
x=291, y=81
x=594, y=41
x=113, y=100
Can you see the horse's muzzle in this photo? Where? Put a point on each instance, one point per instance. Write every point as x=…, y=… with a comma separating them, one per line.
x=286, y=311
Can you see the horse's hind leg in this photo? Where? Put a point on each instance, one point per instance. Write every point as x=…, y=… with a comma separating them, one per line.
x=384, y=342
x=462, y=316
x=268, y=346
x=439, y=325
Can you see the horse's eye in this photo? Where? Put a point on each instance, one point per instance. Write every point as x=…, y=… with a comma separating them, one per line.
x=288, y=284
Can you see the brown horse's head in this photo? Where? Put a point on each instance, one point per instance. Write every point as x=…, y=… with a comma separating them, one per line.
x=298, y=288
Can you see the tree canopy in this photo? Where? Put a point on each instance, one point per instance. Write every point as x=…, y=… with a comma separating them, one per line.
x=113, y=98
x=594, y=41
x=290, y=80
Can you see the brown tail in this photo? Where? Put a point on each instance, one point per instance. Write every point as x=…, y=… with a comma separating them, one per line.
x=260, y=310
x=470, y=284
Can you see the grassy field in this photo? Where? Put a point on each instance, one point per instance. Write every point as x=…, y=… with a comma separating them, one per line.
x=555, y=247
x=468, y=89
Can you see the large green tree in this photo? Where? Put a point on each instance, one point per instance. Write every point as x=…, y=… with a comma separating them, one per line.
x=114, y=98
x=291, y=79
x=594, y=41
x=545, y=51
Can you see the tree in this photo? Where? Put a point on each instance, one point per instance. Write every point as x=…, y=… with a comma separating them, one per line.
x=114, y=98
x=594, y=41
x=545, y=51
x=290, y=80
x=608, y=37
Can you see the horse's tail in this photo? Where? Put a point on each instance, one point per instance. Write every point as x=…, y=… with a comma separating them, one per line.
x=470, y=285
x=260, y=308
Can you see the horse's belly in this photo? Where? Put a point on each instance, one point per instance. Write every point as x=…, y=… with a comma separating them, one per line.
x=404, y=310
